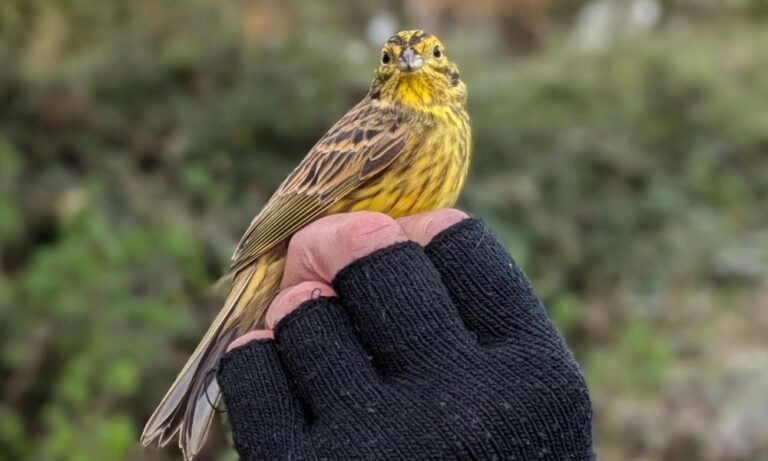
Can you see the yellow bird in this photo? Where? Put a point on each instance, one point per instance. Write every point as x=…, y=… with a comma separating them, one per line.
x=404, y=149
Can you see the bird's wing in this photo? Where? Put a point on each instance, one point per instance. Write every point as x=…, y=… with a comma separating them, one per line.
x=357, y=147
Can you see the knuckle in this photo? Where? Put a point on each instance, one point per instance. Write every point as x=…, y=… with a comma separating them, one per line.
x=364, y=223
x=307, y=237
x=304, y=258
x=367, y=231
x=306, y=263
x=299, y=242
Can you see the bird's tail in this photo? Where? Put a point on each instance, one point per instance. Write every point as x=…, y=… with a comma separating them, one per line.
x=188, y=407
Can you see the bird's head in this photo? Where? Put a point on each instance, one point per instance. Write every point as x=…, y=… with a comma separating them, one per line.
x=414, y=70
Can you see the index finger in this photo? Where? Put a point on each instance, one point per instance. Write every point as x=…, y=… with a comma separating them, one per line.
x=320, y=250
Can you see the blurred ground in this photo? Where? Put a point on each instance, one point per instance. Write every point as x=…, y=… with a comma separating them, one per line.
x=621, y=153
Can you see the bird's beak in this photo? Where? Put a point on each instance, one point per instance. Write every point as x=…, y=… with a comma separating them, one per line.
x=410, y=60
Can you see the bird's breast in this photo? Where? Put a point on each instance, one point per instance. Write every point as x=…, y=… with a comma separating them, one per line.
x=430, y=175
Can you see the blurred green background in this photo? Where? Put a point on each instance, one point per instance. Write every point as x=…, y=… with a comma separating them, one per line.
x=621, y=152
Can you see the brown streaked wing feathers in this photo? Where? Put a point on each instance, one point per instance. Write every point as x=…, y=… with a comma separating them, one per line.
x=318, y=181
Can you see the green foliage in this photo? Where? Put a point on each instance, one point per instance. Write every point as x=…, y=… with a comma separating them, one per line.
x=137, y=139
x=637, y=363
x=618, y=153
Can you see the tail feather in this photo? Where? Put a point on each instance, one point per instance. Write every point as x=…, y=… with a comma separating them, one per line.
x=205, y=398
x=190, y=397
x=187, y=409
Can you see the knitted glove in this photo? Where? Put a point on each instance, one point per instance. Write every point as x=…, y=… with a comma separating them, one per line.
x=441, y=353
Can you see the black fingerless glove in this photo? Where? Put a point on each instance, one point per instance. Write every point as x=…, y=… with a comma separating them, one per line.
x=441, y=353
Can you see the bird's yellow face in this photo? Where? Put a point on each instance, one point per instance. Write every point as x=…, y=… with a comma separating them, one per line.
x=415, y=71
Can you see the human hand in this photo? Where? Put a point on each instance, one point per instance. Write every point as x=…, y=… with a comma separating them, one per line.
x=388, y=349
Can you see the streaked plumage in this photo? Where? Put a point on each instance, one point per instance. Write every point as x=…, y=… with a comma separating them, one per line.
x=404, y=149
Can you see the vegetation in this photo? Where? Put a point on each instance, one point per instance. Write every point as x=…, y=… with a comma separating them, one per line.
x=137, y=139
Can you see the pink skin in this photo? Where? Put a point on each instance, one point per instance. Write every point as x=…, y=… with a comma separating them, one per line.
x=317, y=252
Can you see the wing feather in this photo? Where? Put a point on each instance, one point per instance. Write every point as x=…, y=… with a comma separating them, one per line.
x=358, y=147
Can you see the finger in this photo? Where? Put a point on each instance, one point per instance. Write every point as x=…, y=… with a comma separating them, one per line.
x=259, y=400
x=317, y=347
x=255, y=335
x=423, y=227
x=291, y=298
x=400, y=308
x=280, y=308
x=321, y=249
x=492, y=293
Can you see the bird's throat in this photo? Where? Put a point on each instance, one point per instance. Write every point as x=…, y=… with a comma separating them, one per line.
x=416, y=91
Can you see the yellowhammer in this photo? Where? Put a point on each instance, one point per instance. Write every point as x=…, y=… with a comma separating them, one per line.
x=404, y=149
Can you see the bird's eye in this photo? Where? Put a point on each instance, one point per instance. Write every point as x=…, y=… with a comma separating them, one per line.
x=436, y=52
x=385, y=57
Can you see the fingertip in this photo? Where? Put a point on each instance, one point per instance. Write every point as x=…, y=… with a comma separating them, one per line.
x=422, y=228
x=291, y=298
x=255, y=335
